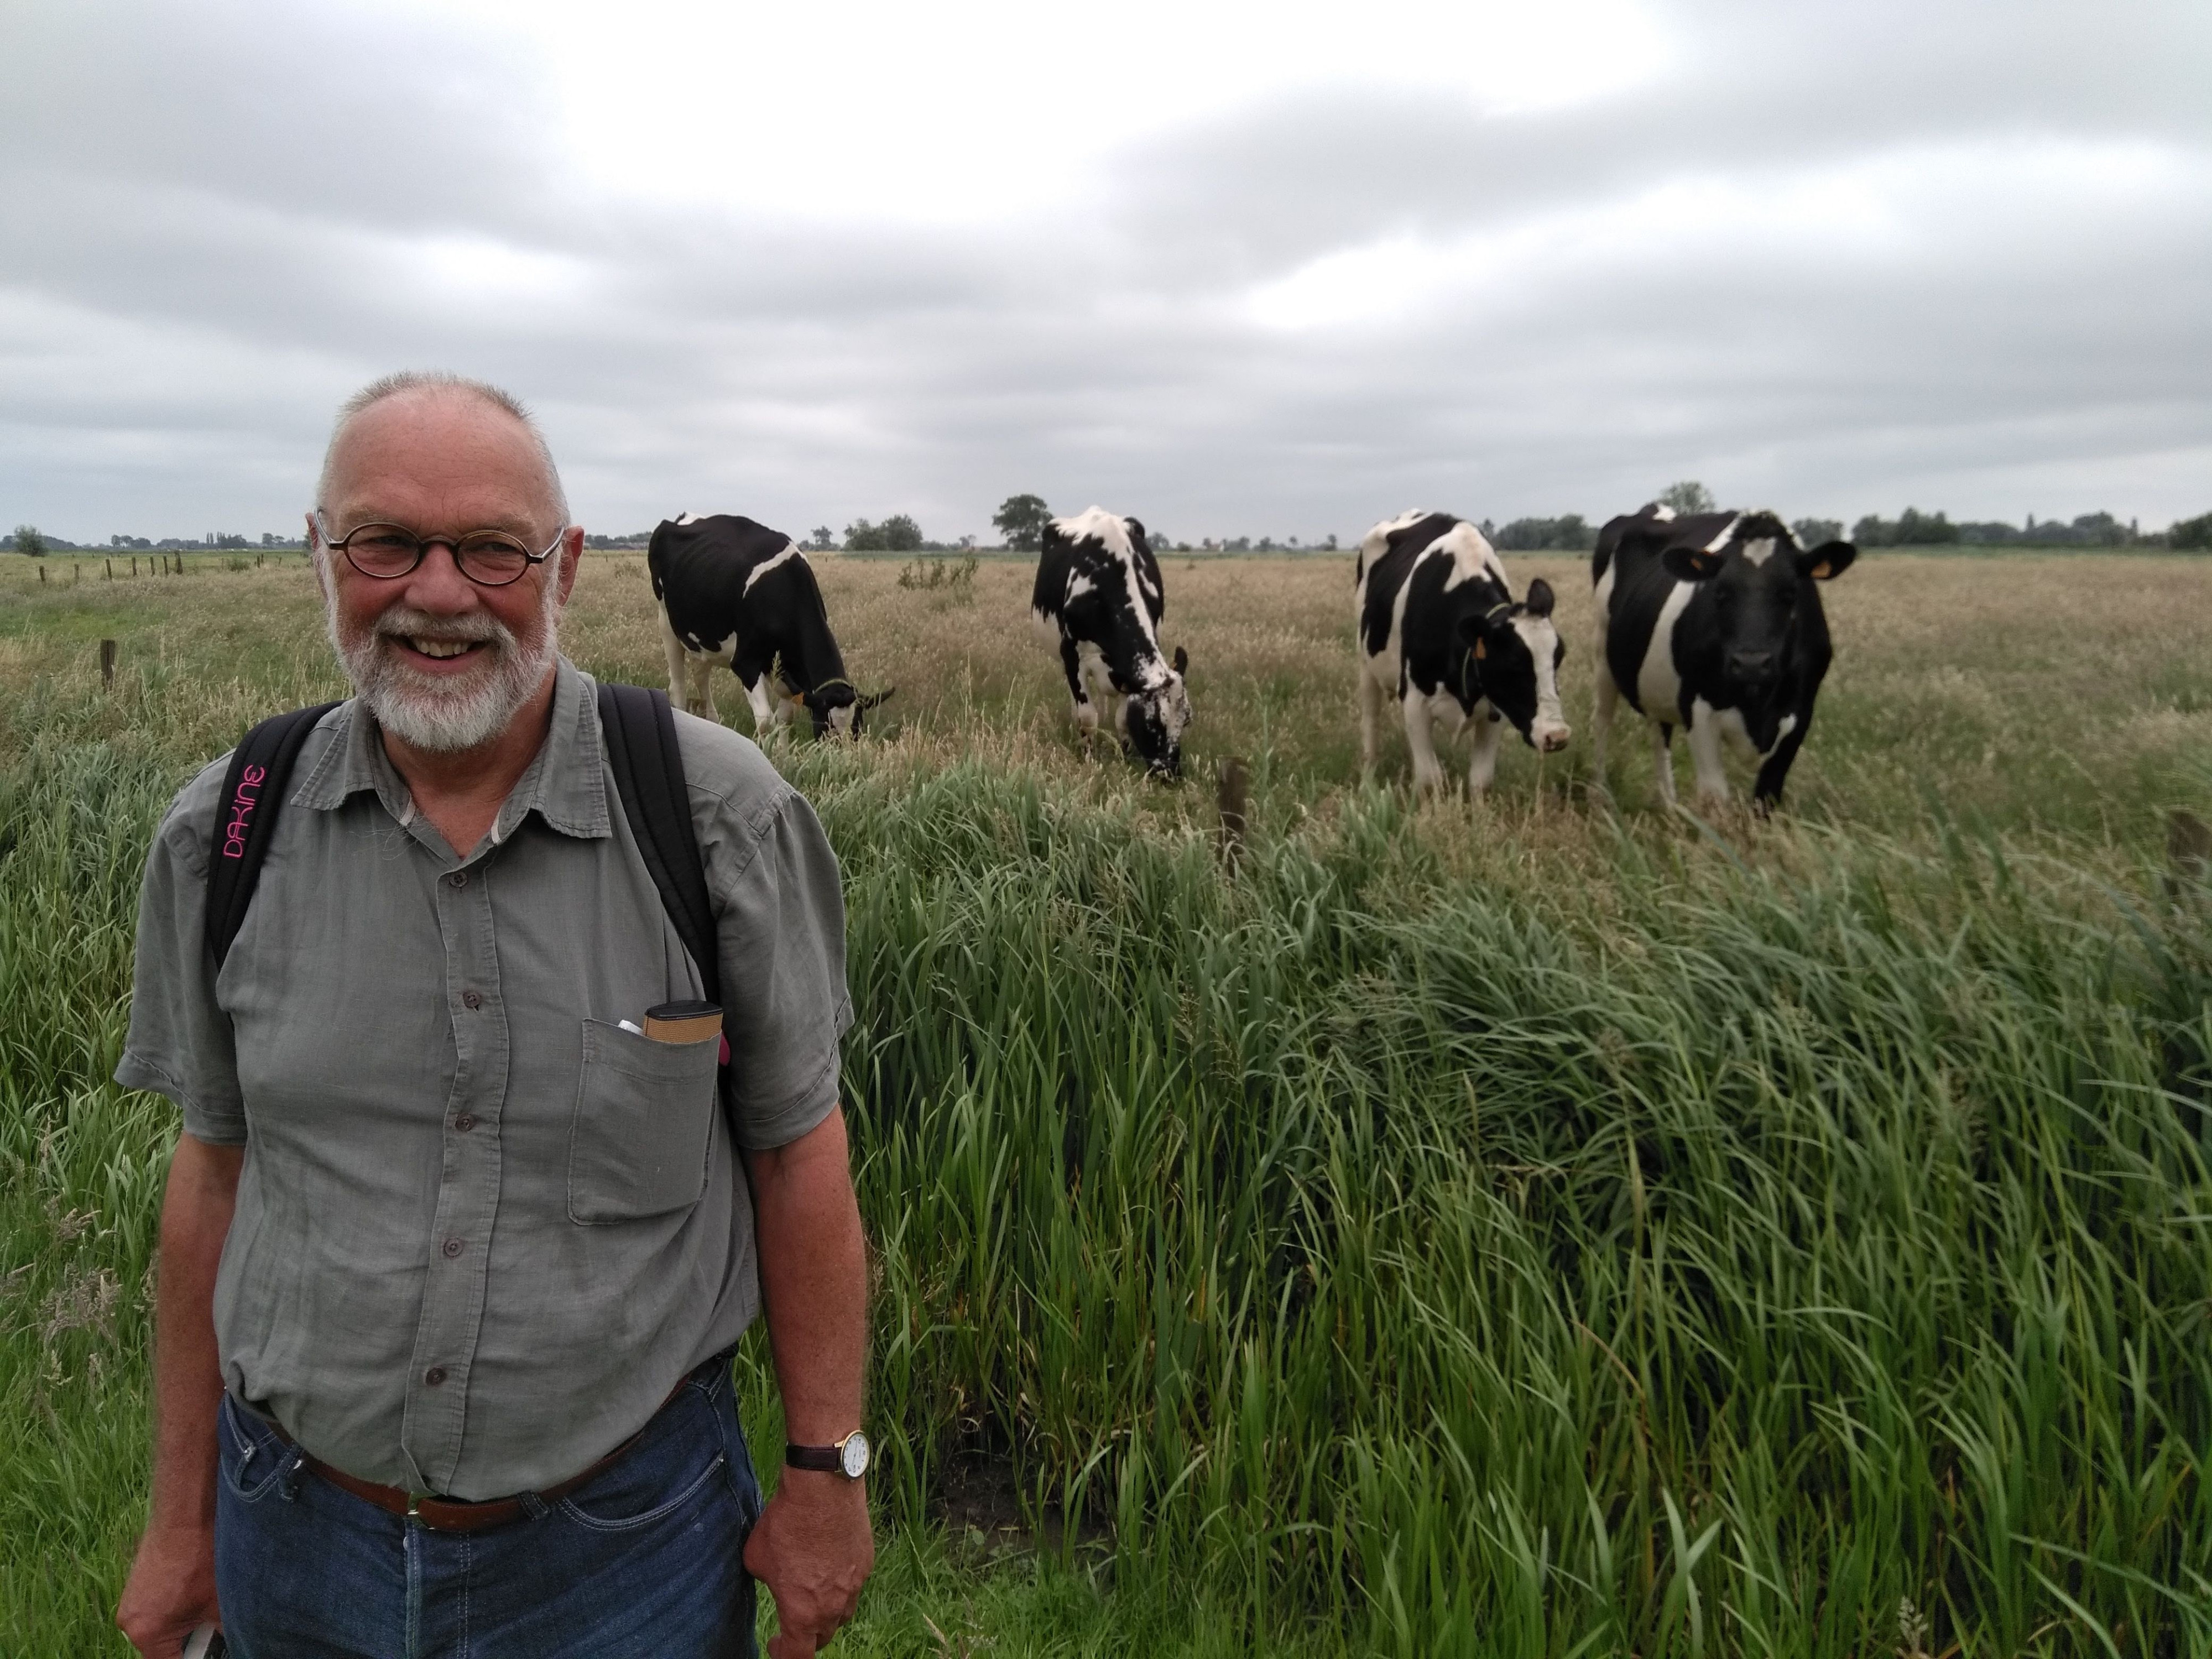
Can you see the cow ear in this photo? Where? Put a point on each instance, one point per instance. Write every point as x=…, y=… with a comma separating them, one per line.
x=1828, y=561
x=875, y=697
x=1181, y=661
x=1539, y=602
x=1692, y=564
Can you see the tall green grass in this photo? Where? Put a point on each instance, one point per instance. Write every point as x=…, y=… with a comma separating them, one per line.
x=1434, y=1239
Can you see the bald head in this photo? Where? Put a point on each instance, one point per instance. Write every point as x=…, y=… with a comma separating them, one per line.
x=465, y=423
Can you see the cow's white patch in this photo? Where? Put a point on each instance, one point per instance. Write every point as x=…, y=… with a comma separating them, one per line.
x=1549, y=730
x=687, y=517
x=789, y=552
x=1470, y=554
x=1079, y=586
x=1658, y=682
x=1727, y=531
x=1760, y=551
x=1661, y=512
x=1789, y=724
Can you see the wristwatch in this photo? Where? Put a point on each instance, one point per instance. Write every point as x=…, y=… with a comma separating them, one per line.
x=849, y=1457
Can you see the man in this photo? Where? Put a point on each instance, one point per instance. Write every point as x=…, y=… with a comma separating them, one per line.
x=451, y=1257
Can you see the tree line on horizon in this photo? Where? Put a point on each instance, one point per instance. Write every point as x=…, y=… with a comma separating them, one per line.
x=1021, y=518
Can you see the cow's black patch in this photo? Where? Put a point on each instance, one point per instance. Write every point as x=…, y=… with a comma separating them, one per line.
x=1092, y=592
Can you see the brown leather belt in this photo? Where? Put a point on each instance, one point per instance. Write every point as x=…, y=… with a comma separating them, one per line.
x=449, y=1514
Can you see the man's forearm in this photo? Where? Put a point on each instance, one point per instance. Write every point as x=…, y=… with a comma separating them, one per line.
x=814, y=1280
x=196, y=1212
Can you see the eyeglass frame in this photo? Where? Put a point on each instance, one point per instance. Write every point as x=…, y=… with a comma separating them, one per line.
x=424, y=544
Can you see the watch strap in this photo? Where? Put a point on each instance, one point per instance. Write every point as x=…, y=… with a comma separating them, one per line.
x=829, y=1459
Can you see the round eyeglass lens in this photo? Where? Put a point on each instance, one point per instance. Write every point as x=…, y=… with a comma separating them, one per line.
x=382, y=550
x=492, y=558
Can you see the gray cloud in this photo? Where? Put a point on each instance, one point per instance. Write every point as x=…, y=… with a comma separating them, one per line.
x=1837, y=257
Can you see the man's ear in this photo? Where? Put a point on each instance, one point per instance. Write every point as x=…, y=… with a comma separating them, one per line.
x=572, y=559
x=1181, y=661
x=1692, y=564
x=1539, y=602
x=1827, y=561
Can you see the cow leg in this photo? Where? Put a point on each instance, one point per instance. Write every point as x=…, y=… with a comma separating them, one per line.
x=1370, y=706
x=1608, y=699
x=702, y=701
x=1706, y=756
x=1086, y=712
x=678, y=666
x=1420, y=737
x=1766, y=792
x=767, y=708
x=1662, y=761
x=1489, y=728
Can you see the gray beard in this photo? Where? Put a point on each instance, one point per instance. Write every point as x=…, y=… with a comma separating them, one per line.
x=441, y=715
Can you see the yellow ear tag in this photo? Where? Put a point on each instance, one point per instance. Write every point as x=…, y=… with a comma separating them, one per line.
x=1481, y=649
x=1820, y=572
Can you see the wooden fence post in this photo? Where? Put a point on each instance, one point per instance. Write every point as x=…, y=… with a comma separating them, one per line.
x=1234, y=798
x=111, y=570
x=107, y=664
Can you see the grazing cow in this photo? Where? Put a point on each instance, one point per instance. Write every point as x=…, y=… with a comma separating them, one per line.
x=1441, y=635
x=1099, y=602
x=731, y=591
x=1712, y=622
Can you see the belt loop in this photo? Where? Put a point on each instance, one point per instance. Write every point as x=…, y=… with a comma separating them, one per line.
x=532, y=1505
x=288, y=1484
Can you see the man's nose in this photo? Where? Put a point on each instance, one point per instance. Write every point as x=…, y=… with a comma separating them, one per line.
x=437, y=583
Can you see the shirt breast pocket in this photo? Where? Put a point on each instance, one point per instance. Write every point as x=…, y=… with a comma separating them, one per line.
x=644, y=1111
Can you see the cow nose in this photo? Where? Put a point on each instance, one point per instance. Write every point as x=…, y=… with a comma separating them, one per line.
x=1751, y=665
x=1552, y=741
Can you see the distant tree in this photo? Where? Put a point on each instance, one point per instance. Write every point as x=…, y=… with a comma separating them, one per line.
x=861, y=537
x=1990, y=532
x=2194, y=534
x=1568, y=534
x=901, y=534
x=1687, y=496
x=1331, y=542
x=1875, y=531
x=822, y=540
x=1021, y=519
x=1811, y=532
x=2100, y=530
x=28, y=540
x=1918, y=529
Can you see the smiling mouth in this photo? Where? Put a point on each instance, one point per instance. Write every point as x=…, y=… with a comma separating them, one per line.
x=439, y=649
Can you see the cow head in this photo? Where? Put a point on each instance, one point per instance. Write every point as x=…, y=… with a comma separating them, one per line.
x=1156, y=718
x=1514, y=654
x=1757, y=585
x=839, y=710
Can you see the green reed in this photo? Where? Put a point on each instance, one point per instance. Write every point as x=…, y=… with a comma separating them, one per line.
x=1427, y=1240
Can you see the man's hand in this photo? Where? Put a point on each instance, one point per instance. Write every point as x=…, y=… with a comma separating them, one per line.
x=813, y=1550
x=171, y=1592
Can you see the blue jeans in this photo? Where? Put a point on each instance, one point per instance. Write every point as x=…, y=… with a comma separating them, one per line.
x=645, y=1557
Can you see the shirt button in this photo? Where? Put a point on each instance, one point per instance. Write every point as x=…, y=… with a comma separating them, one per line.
x=471, y=999
x=458, y=878
x=465, y=1121
x=434, y=1376
x=453, y=1248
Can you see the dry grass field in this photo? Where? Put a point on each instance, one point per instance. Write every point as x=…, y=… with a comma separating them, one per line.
x=2035, y=692
x=1516, y=1227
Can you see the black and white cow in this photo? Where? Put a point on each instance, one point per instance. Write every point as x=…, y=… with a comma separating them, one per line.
x=731, y=591
x=1712, y=622
x=1441, y=635
x=1098, y=601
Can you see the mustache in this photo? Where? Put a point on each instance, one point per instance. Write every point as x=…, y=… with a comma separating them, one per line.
x=402, y=622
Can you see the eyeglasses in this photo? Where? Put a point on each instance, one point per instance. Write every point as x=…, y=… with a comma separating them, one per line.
x=490, y=558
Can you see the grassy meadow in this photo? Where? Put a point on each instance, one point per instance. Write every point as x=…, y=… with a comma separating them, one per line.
x=1524, y=1226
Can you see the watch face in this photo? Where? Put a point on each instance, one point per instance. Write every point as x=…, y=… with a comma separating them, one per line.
x=854, y=1455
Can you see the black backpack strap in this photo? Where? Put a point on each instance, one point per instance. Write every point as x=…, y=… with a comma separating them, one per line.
x=252, y=794
x=639, y=729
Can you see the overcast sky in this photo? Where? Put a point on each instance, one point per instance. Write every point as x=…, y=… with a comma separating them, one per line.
x=1239, y=269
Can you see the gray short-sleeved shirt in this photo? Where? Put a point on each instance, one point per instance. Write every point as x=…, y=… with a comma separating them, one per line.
x=481, y=1230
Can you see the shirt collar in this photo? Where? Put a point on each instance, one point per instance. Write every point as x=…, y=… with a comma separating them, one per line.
x=565, y=783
